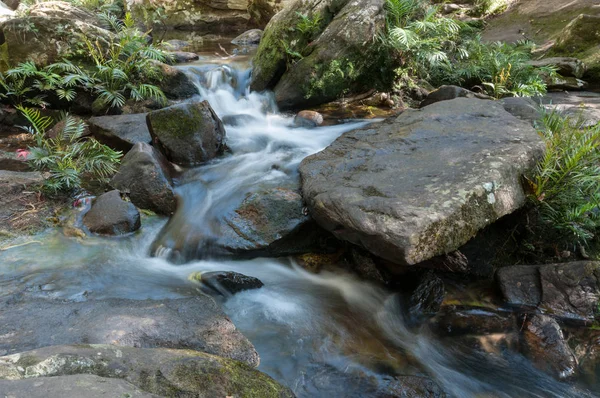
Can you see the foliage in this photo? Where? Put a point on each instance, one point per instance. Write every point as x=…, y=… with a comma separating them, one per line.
x=484, y=8
x=567, y=184
x=67, y=156
x=308, y=28
x=332, y=80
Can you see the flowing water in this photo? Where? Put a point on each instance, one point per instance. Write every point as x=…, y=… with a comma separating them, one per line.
x=322, y=335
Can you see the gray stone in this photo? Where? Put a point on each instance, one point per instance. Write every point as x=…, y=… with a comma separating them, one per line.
x=424, y=183
x=567, y=66
x=523, y=108
x=111, y=215
x=174, y=83
x=161, y=371
x=566, y=83
x=250, y=37
x=445, y=93
x=81, y=385
x=62, y=9
x=192, y=323
x=427, y=297
x=569, y=290
x=180, y=57
x=227, y=283
x=146, y=176
x=188, y=134
x=308, y=119
x=121, y=132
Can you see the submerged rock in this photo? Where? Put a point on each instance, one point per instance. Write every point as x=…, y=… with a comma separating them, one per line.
x=569, y=290
x=161, y=371
x=121, y=132
x=146, y=176
x=188, y=134
x=180, y=57
x=111, y=215
x=424, y=183
x=193, y=323
x=227, y=282
x=462, y=320
x=427, y=298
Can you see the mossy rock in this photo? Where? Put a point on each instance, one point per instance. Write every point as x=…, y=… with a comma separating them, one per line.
x=581, y=39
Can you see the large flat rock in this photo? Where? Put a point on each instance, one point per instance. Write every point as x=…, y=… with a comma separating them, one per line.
x=193, y=323
x=424, y=183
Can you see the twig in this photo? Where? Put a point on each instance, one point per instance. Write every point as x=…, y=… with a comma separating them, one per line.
x=19, y=245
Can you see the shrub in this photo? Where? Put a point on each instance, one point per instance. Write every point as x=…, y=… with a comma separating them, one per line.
x=67, y=156
x=332, y=80
x=566, y=188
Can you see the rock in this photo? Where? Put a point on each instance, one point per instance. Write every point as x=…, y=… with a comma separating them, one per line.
x=250, y=37
x=308, y=119
x=544, y=344
x=47, y=39
x=111, y=215
x=567, y=66
x=580, y=39
x=524, y=108
x=345, y=35
x=570, y=290
x=161, y=371
x=411, y=387
x=450, y=8
x=81, y=385
x=175, y=45
x=445, y=93
x=120, y=132
x=566, y=83
x=196, y=323
x=261, y=11
x=146, y=176
x=175, y=84
x=64, y=10
x=227, y=283
x=427, y=298
x=239, y=120
x=12, y=4
x=188, y=134
x=6, y=12
x=180, y=57
x=582, y=107
x=422, y=184
x=364, y=264
x=461, y=320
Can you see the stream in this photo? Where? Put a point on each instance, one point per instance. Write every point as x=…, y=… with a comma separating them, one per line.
x=323, y=335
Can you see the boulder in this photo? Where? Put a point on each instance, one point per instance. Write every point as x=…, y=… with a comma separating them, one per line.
x=111, y=215
x=250, y=37
x=580, y=39
x=120, y=132
x=560, y=83
x=522, y=107
x=12, y=4
x=544, y=344
x=566, y=66
x=196, y=323
x=174, y=83
x=424, y=183
x=227, y=283
x=64, y=10
x=427, y=297
x=570, y=290
x=445, y=93
x=188, y=134
x=46, y=40
x=582, y=107
x=180, y=57
x=161, y=371
x=81, y=385
x=261, y=11
x=308, y=119
x=145, y=175
x=343, y=41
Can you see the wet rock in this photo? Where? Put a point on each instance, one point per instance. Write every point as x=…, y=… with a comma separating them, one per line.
x=227, y=283
x=459, y=320
x=175, y=84
x=161, y=371
x=569, y=291
x=250, y=37
x=462, y=161
x=181, y=57
x=587, y=351
x=193, y=323
x=411, y=387
x=308, y=119
x=188, y=134
x=347, y=31
x=81, y=385
x=145, y=175
x=121, y=132
x=111, y=215
x=427, y=298
x=567, y=66
x=175, y=45
x=261, y=11
x=446, y=93
x=62, y=9
x=544, y=344
x=238, y=120
x=524, y=108
x=364, y=264
x=566, y=83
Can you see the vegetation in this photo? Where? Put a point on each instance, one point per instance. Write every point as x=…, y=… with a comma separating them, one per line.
x=65, y=153
x=567, y=185
x=308, y=27
x=332, y=79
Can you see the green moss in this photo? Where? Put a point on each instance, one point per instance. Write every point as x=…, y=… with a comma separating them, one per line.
x=178, y=121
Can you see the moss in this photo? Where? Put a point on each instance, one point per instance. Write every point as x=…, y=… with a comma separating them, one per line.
x=28, y=360
x=177, y=121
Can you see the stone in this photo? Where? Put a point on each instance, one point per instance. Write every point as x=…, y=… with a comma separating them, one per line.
x=567, y=66
x=346, y=34
x=180, y=57
x=411, y=387
x=6, y=12
x=450, y=8
x=196, y=323
x=188, y=134
x=120, y=132
x=175, y=45
x=427, y=297
x=64, y=10
x=569, y=290
x=580, y=39
x=522, y=107
x=566, y=83
x=227, y=283
x=111, y=215
x=582, y=107
x=248, y=38
x=423, y=183
x=544, y=344
x=472, y=320
x=308, y=119
x=174, y=83
x=161, y=371
x=145, y=175
x=445, y=93
x=81, y=385
x=261, y=11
